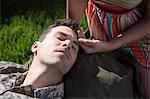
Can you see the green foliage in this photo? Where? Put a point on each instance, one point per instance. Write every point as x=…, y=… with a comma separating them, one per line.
x=84, y=23
x=17, y=37
x=22, y=22
x=53, y=8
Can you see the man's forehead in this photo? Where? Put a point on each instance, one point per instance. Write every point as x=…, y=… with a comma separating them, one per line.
x=64, y=29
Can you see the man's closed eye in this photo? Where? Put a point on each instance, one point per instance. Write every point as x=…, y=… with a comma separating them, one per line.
x=61, y=38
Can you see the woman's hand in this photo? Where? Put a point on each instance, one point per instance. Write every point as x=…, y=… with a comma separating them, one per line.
x=81, y=33
x=93, y=46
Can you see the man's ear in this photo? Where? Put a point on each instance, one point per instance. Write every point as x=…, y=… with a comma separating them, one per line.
x=35, y=46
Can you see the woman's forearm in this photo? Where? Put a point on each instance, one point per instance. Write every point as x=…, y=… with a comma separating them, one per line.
x=137, y=32
x=75, y=9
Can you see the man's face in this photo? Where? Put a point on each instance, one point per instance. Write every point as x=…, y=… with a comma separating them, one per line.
x=58, y=49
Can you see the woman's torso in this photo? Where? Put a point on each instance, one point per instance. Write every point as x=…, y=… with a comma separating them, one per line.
x=109, y=20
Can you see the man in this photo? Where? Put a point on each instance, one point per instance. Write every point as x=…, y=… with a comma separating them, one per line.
x=53, y=56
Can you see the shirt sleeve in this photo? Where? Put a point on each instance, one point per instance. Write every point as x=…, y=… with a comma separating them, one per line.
x=26, y=92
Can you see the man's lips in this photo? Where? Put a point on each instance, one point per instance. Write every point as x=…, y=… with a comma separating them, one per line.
x=65, y=53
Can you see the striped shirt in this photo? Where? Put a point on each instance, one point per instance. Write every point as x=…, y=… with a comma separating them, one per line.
x=108, y=19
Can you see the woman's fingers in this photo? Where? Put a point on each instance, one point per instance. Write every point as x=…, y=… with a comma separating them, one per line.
x=81, y=33
x=86, y=45
x=84, y=41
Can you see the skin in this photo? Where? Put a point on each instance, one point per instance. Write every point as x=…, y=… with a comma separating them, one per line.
x=139, y=31
x=75, y=10
x=53, y=57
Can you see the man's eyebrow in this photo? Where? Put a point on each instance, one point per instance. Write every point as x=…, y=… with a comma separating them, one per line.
x=62, y=33
x=77, y=43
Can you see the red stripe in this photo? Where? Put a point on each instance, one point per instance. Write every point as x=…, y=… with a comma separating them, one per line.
x=114, y=8
x=89, y=9
x=138, y=54
x=114, y=25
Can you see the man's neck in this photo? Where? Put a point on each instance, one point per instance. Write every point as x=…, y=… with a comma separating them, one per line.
x=41, y=76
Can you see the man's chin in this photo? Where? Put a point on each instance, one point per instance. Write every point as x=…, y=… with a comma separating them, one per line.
x=56, y=61
x=62, y=65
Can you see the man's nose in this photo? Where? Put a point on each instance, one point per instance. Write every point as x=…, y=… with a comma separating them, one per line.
x=67, y=44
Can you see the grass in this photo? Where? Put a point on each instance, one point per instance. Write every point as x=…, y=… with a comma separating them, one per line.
x=17, y=37
x=22, y=24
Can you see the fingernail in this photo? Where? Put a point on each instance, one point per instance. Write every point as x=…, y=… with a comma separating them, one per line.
x=78, y=31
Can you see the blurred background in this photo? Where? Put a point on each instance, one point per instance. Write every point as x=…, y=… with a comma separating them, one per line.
x=21, y=22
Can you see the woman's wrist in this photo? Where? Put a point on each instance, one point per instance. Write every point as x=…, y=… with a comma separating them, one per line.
x=115, y=43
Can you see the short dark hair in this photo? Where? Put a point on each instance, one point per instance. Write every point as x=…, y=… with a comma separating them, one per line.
x=74, y=25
